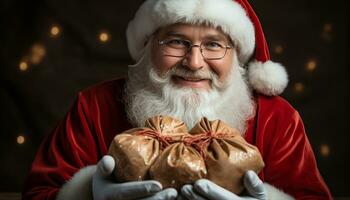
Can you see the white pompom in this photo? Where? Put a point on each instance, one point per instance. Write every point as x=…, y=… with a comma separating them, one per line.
x=268, y=78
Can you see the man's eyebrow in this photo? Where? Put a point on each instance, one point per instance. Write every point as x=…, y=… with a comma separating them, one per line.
x=173, y=33
x=214, y=37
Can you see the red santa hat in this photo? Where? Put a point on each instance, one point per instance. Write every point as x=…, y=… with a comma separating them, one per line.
x=236, y=18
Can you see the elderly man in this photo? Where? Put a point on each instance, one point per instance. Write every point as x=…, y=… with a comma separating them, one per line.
x=194, y=58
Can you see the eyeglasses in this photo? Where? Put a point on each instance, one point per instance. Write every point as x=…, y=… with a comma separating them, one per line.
x=210, y=50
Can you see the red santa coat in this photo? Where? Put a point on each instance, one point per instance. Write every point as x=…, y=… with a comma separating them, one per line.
x=98, y=114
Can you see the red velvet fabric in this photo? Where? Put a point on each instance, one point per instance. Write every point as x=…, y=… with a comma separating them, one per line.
x=85, y=133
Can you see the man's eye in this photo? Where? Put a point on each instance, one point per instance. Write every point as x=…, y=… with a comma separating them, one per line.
x=177, y=43
x=213, y=45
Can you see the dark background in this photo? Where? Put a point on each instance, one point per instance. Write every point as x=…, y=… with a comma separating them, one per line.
x=41, y=72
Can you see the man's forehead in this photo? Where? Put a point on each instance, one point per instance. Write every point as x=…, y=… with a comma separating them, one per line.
x=187, y=30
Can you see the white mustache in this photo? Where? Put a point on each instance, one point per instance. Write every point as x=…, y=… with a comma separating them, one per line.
x=185, y=73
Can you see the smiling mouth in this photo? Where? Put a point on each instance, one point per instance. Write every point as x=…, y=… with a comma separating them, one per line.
x=191, y=79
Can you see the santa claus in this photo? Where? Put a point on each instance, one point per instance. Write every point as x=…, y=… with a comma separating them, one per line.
x=194, y=58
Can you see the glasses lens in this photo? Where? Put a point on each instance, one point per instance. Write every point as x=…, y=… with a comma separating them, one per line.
x=213, y=49
x=217, y=54
x=168, y=51
x=175, y=47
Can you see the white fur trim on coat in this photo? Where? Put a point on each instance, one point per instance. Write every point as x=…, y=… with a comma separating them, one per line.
x=79, y=187
x=226, y=14
x=276, y=194
x=268, y=78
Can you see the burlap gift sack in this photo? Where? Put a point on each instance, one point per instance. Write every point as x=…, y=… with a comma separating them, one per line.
x=226, y=154
x=135, y=150
x=178, y=164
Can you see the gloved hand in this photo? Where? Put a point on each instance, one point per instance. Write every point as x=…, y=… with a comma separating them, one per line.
x=204, y=189
x=104, y=188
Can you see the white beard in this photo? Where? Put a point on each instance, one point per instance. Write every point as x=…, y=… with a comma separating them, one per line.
x=148, y=95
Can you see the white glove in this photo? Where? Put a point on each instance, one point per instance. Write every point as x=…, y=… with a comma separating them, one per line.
x=104, y=188
x=204, y=189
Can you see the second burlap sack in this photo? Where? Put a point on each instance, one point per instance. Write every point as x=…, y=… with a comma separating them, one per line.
x=226, y=154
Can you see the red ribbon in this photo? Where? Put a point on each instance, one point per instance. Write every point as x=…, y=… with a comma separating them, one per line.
x=164, y=141
x=201, y=141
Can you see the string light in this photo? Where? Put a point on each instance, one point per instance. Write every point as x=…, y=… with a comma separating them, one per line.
x=23, y=66
x=311, y=65
x=104, y=36
x=278, y=49
x=324, y=150
x=299, y=88
x=34, y=57
x=37, y=53
x=20, y=139
x=55, y=31
x=327, y=31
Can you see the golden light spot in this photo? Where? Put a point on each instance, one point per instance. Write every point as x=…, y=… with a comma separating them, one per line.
x=278, y=49
x=299, y=87
x=20, y=139
x=311, y=65
x=38, y=49
x=327, y=27
x=325, y=150
x=37, y=53
x=55, y=31
x=327, y=32
x=104, y=37
x=23, y=66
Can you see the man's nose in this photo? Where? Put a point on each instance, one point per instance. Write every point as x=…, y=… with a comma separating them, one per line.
x=194, y=59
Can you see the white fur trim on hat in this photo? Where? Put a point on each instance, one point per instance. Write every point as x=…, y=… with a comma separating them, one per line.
x=268, y=78
x=226, y=14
